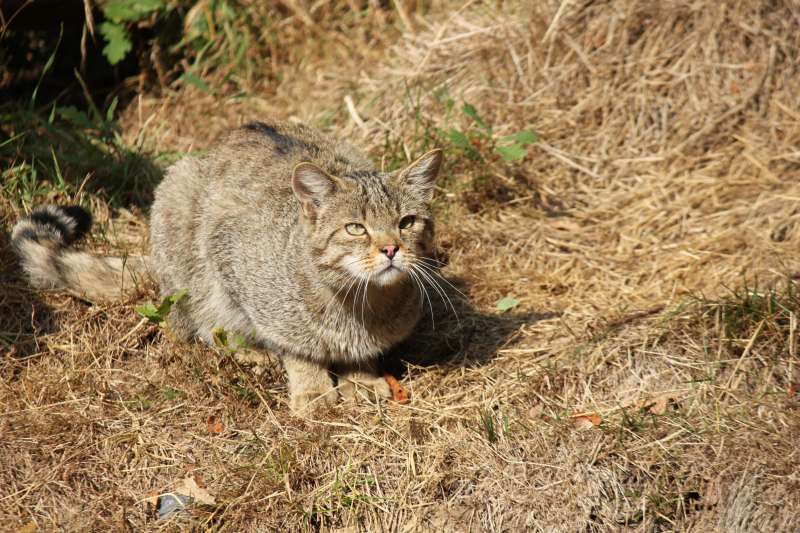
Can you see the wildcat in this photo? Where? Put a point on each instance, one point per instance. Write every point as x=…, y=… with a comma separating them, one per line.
x=280, y=234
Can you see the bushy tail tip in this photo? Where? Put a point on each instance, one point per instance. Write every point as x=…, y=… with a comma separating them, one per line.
x=59, y=225
x=42, y=242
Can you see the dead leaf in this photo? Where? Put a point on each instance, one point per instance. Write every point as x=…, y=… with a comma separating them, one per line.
x=563, y=224
x=200, y=480
x=30, y=527
x=189, y=487
x=536, y=410
x=584, y=421
x=214, y=425
x=399, y=394
x=657, y=405
x=152, y=499
x=660, y=404
x=712, y=495
x=791, y=390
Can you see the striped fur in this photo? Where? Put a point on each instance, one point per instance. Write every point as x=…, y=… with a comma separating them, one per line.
x=42, y=241
x=256, y=230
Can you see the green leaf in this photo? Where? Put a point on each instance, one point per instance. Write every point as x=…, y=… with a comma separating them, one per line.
x=521, y=137
x=149, y=311
x=173, y=394
x=507, y=303
x=76, y=116
x=191, y=79
x=118, y=42
x=159, y=314
x=488, y=426
x=130, y=10
x=47, y=65
x=227, y=12
x=228, y=343
x=220, y=337
x=169, y=301
x=458, y=139
x=470, y=111
x=239, y=341
x=111, y=109
x=514, y=152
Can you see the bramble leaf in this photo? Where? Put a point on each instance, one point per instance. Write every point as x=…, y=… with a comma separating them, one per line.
x=159, y=314
x=130, y=10
x=118, y=41
x=458, y=139
x=514, y=152
x=507, y=303
x=470, y=111
x=191, y=79
x=522, y=137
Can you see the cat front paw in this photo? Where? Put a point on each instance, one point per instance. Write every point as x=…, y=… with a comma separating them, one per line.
x=361, y=385
x=307, y=401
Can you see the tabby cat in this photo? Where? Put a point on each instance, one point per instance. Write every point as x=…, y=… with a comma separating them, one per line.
x=280, y=234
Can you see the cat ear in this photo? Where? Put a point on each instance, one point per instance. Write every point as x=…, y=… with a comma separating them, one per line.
x=420, y=175
x=311, y=185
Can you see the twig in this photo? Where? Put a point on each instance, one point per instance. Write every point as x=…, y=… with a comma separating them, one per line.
x=745, y=353
x=351, y=108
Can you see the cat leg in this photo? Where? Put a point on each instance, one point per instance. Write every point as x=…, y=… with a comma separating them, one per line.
x=259, y=361
x=310, y=386
x=364, y=382
x=180, y=324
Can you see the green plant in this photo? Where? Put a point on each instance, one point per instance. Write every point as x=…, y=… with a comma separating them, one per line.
x=479, y=140
x=159, y=314
x=504, y=304
x=228, y=344
x=170, y=393
x=208, y=35
x=488, y=424
x=121, y=16
x=59, y=150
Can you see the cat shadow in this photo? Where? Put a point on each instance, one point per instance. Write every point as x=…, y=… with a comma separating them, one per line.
x=454, y=333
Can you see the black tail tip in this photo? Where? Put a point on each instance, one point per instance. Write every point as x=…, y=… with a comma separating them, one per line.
x=66, y=223
x=82, y=218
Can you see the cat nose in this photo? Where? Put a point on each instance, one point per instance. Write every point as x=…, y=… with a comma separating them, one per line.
x=389, y=250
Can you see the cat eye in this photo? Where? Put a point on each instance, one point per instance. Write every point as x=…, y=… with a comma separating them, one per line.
x=355, y=229
x=407, y=222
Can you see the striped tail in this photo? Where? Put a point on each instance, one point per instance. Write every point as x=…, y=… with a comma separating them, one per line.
x=42, y=241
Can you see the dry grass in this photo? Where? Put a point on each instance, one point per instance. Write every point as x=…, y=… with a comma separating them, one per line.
x=663, y=187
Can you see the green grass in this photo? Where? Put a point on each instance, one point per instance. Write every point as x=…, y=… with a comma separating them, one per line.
x=52, y=153
x=750, y=315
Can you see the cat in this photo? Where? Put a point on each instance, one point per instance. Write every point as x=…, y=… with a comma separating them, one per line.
x=280, y=234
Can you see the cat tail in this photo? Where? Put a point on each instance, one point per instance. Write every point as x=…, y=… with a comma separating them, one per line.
x=42, y=241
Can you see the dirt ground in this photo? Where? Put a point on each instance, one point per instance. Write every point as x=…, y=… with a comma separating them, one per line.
x=643, y=376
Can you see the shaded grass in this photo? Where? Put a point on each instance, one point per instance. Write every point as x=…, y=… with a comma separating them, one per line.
x=54, y=153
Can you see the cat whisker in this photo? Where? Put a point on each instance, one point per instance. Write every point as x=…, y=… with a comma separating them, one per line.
x=431, y=270
x=353, y=281
x=365, y=299
x=423, y=293
x=338, y=309
x=439, y=289
x=431, y=261
x=349, y=285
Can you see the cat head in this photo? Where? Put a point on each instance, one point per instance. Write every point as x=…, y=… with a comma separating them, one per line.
x=369, y=225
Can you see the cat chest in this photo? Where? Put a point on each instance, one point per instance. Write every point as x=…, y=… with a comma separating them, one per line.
x=355, y=340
